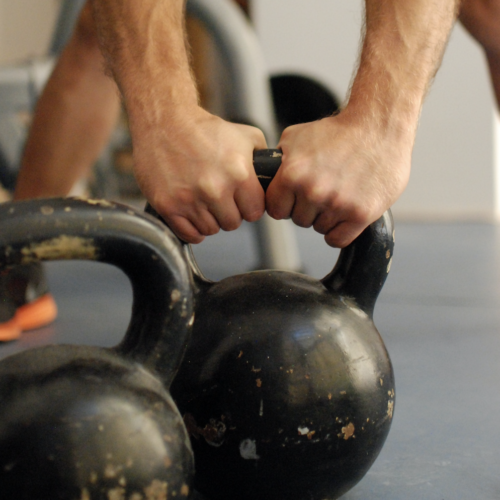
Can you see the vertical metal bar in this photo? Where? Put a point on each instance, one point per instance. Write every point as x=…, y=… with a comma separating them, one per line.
x=68, y=14
x=250, y=102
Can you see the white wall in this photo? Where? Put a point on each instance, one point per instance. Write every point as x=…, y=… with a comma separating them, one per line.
x=26, y=28
x=453, y=172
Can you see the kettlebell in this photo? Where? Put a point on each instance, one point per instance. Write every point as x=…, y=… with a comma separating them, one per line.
x=286, y=388
x=90, y=423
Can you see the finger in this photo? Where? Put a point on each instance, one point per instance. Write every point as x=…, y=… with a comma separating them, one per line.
x=201, y=223
x=205, y=222
x=250, y=200
x=226, y=214
x=328, y=220
x=343, y=234
x=184, y=229
x=304, y=212
x=279, y=199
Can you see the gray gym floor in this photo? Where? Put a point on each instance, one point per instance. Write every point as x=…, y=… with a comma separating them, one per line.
x=440, y=320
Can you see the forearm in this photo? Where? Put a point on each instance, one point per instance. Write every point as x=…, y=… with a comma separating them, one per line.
x=73, y=120
x=403, y=45
x=144, y=45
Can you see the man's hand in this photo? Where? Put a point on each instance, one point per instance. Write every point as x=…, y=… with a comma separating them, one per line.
x=338, y=176
x=341, y=173
x=195, y=169
x=198, y=174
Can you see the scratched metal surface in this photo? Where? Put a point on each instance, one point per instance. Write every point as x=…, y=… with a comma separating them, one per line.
x=439, y=315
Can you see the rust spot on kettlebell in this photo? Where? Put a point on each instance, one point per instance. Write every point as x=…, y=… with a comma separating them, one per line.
x=111, y=471
x=97, y=203
x=46, y=210
x=348, y=431
x=85, y=494
x=157, y=490
x=175, y=296
x=390, y=409
x=62, y=247
x=116, y=494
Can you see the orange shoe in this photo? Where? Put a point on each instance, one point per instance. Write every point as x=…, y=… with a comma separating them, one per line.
x=25, y=301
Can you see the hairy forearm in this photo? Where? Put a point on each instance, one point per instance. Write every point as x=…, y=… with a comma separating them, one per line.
x=403, y=45
x=145, y=49
x=194, y=168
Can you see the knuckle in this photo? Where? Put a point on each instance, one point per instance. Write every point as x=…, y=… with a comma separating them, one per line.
x=253, y=215
x=289, y=131
x=292, y=176
x=208, y=189
x=317, y=194
x=321, y=227
x=275, y=214
x=274, y=210
x=301, y=222
x=231, y=225
x=240, y=170
x=186, y=234
x=207, y=229
x=190, y=237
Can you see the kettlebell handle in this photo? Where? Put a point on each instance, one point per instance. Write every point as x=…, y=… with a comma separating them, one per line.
x=142, y=247
x=362, y=267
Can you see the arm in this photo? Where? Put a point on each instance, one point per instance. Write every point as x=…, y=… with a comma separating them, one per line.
x=481, y=18
x=73, y=120
x=194, y=168
x=341, y=173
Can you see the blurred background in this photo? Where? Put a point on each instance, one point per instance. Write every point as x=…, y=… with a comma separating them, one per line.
x=438, y=313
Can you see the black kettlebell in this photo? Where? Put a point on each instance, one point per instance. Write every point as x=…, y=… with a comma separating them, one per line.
x=286, y=388
x=88, y=423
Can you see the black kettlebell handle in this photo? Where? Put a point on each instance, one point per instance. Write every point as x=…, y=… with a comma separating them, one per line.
x=142, y=247
x=362, y=267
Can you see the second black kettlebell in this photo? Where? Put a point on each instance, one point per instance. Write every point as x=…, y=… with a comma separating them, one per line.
x=88, y=423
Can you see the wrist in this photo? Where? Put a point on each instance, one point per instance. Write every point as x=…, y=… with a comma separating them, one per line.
x=393, y=122
x=385, y=101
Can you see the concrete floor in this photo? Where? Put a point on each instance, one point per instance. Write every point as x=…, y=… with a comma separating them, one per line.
x=439, y=316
